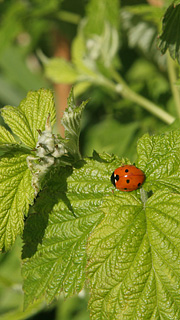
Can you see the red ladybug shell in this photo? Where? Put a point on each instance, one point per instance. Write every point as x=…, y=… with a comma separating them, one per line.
x=127, y=178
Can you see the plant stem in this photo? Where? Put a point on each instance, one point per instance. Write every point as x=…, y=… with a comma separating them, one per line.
x=173, y=79
x=127, y=93
x=144, y=196
x=68, y=17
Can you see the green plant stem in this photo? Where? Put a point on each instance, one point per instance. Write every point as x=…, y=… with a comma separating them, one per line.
x=173, y=79
x=68, y=17
x=144, y=196
x=127, y=93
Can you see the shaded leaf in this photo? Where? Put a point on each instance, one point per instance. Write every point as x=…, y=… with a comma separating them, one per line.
x=68, y=210
x=169, y=38
x=141, y=33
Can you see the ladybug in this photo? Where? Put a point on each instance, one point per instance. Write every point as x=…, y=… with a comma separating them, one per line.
x=127, y=178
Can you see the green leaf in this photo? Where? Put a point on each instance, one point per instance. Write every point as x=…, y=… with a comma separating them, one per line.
x=99, y=12
x=6, y=136
x=78, y=59
x=71, y=121
x=11, y=294
x=134, y=264
x=56, y=235
x=146, y=12
x=30, y=116
x=163, y=227
x=61, y=71
x=141, y=33
x=102, y=49
x=169, y=38
x=93, y=55
x=19, y=313
x=159, y=158
x=43, y=8
x=18, y=123
x=81, y=88
x=98, y=137
x=11, y=24
x=16, y=193
x=97, y=43
x=144, y=74
x=9, y=92
x=17, y=72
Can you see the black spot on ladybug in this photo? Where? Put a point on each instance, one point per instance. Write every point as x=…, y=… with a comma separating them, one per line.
x=139, y=184
x=125, y=188
x=127, y=181
x=126, y=170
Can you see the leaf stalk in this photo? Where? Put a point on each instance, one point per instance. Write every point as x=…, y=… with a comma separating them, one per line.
x=173, y=79
x=150, y=106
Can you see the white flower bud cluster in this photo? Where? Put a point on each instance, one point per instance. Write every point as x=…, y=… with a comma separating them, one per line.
x=48, y=149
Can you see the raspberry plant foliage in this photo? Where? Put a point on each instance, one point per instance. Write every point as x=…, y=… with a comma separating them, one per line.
x=169, y=38
x=134, y=265
x=16, y=188
x=124, y=246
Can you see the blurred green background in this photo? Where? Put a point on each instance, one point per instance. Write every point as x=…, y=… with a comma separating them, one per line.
x=31, y=33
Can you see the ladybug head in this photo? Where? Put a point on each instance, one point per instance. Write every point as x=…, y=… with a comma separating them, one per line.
x=114, y=178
